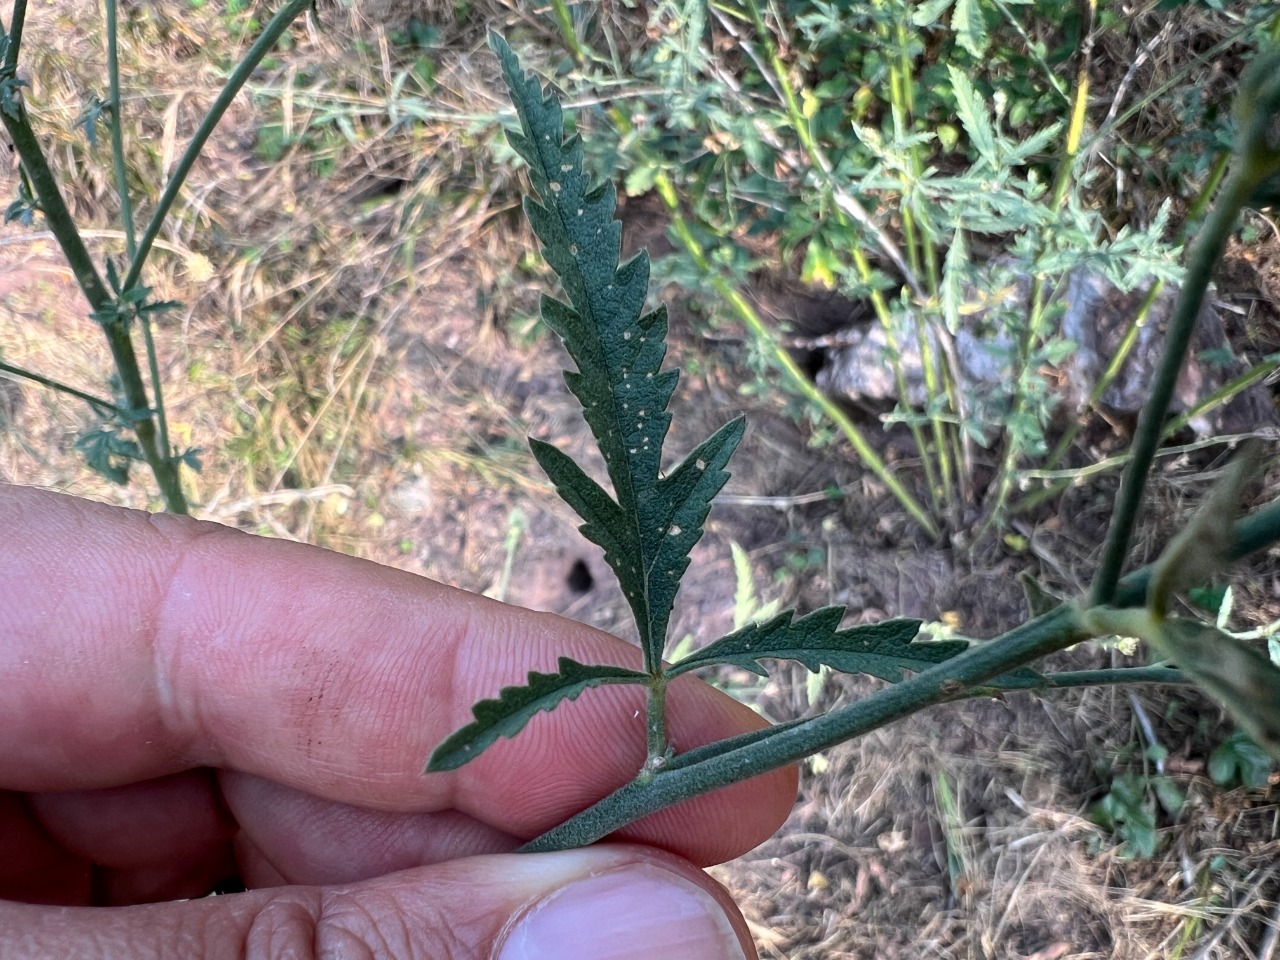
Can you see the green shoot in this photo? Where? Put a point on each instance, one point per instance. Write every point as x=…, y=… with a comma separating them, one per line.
x=651, y=521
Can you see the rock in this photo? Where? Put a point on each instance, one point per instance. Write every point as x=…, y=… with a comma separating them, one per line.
x=1095, y=320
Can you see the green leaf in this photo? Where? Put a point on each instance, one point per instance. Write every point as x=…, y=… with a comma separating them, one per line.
x=970, y=27
x=651, y=522
x=746, y=605
x=108, y=453
x=883, y=650
x=515, y=706
x=927, y=13
x=975, y=117
x=1240, y=761
x=953, y=275
x=1243, y=679
x=1169, y=795
x=1128, y=813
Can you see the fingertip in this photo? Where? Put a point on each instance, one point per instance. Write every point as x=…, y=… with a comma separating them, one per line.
x=635, y=902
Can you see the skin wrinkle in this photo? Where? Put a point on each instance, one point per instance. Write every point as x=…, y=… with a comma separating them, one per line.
x=184, y=730
x=251, y=706
x=284, y=927
x=346, y=922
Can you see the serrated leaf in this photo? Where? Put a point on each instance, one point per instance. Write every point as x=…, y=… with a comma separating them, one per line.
x=927, y=13
x=108, y=453
x=975, y=117
x=651, y=522
x=970, y=27
x=953, y=275
x=883, y=650
x=1243, y=679
x=515, y=706
x=604, y=518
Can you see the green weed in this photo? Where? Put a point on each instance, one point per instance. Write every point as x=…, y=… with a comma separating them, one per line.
x=874, y=148
x=650, y=522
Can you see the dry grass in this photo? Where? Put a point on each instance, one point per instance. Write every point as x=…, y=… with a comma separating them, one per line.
x=353, y=361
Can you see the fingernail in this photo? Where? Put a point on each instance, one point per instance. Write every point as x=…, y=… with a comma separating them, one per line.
x=633, y=912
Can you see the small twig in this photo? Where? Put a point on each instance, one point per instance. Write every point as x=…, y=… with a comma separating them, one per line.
x=102, y=406
x=117, y=134
x=780, y=503
x=277, y=498
x=273, y=31
x=1144, y=54
x=1267, y=946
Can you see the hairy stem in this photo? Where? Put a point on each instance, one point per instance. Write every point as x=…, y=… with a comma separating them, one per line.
x=733, y=763
x=14, y=36
x=1204, y=256
x=716, y=765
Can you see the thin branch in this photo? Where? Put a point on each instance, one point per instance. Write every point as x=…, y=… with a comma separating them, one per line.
x=15, y=37
x=708, y=768
x=244, y=69
x=1204, y=256
x=99, y=404
x=117, y=134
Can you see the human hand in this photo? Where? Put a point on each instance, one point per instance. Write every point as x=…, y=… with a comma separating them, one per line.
x=184, y=707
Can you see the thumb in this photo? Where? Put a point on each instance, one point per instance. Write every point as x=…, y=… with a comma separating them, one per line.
x=601, y=903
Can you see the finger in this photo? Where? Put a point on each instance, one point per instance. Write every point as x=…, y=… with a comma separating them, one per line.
x=177, y=817
x=618, y=901
x=157, y=840
x=293, y=837
x=135, y=646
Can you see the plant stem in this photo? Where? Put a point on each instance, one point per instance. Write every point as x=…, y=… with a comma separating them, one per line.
x=656, y=725
x=126, y=220
x=117, y=135
x=708, y=768
x=730, y=762
x=881, y=309
x=1223, y=394
x=273, y=31
x=1035, y=333
x=564, y=20
x=1204, y=256
x=1098, y=678
x=101, y=302
x=14, y=35
x=1109, y=375
x=99, y=404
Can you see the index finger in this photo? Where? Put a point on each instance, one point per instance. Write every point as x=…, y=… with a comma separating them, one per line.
x=136, y=645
